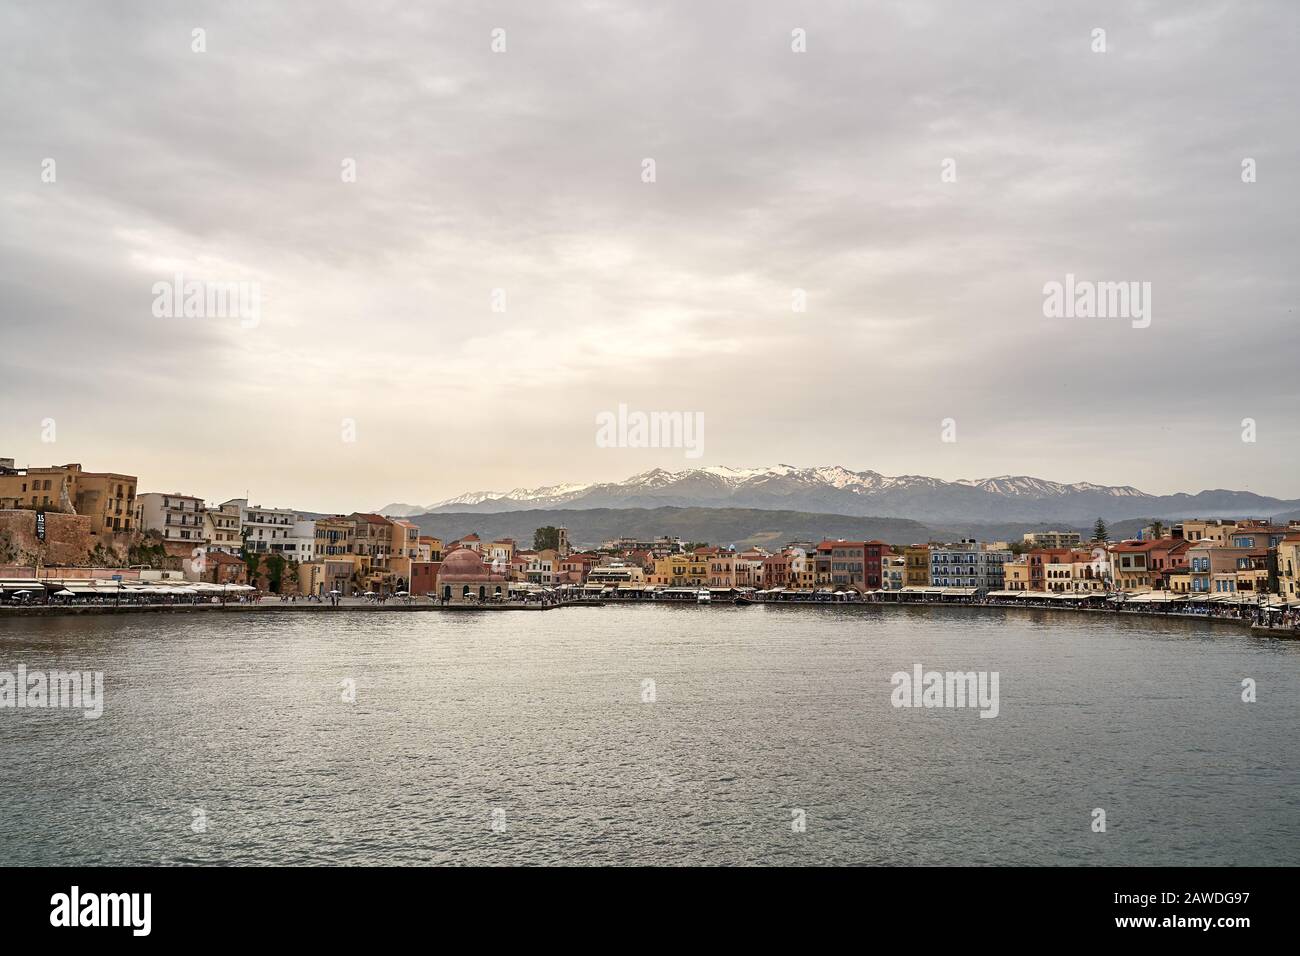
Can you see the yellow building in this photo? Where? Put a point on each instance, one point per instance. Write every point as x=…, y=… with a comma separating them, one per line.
x=681, y=570
x=1015, y=575
x=1288, y=567
x=916, y=572
x=107, y=498
x=335, y=536
x=430, y=548
x=1216, y=531
x=323, y=575
x=405, y=538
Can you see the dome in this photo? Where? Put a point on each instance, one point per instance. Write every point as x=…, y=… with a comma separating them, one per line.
x=465, y=565
x=462, y=561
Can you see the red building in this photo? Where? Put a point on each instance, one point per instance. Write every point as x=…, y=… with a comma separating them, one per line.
x=424, y=577
x=854, y=564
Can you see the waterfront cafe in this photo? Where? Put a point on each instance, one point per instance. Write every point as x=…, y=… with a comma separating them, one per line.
x=81, y=591
x=917, y=594
x=783, y=595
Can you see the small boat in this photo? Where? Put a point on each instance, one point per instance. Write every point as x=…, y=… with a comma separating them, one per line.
x=703, y=596
x=743, y=601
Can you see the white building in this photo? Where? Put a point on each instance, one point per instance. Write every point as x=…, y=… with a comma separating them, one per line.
x=893, y=571
x=265, y=530
x=967, y=564
x=222, y=529
x=178, y=518
x=300, y=546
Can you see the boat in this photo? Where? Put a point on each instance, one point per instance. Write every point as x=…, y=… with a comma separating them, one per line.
x=703, y=596
x=742, y=601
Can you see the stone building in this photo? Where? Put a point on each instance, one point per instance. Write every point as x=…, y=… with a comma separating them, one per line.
x=464, y=579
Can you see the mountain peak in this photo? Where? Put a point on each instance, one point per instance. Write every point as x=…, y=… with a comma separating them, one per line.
x=834, y=489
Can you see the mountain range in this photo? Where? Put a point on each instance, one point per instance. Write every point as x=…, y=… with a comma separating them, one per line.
x=837, y=490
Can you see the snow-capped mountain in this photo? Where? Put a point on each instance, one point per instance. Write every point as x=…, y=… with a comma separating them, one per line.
x=837, y=490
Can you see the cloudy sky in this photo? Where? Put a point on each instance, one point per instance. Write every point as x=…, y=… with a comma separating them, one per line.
x=522, y=171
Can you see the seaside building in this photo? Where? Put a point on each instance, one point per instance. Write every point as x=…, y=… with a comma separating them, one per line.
x=1130, y=566
x=326, y=574
x=917, y=566
x=681, y=570
x=220, y=567
x=1288, y=566
x=850, y=564
x=967, y=564
x=423, y=579
x=1038, y=560
x=462, y=578
x=1015, y=575
x=615, y=574
x=264, y=530
x=571, y=568
x=405, y=538
x=893, y=572
x=373, y=541
x=300, y=546
x=335, y=536
x=542, y=567
x=107, y=498
x=721, y=566
x=178, y=518
x=748, y=567
x=1253, y=571
x=222, y=529
x=1214, y=568
x=1078, y=571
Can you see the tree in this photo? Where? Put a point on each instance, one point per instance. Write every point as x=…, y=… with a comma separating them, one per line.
x=1099, y=531
x=1157, y=528
x=275, y=565
x=548, y=537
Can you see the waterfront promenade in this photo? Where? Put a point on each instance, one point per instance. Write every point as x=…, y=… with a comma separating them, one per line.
x=1240, y=615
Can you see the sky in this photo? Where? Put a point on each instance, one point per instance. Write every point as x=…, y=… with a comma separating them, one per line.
x=461, y=261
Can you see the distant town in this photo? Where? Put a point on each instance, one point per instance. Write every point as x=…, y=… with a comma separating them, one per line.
x=68, y=532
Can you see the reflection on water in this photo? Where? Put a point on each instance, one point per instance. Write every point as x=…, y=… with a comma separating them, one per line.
x=651, y=735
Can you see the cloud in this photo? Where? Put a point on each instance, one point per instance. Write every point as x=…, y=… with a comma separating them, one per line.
x=520, y=172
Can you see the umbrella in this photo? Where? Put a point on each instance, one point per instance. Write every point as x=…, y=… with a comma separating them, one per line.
x=403, y=593
x=368, y=593
x=336, y=592
x=64, y=593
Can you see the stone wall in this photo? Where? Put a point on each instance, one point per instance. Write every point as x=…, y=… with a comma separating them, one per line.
x=67, y=539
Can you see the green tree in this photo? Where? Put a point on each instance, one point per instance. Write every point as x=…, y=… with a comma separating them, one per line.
x=275, y=564
x=1157, y=528
x=1100, y=532
x=548, y=537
